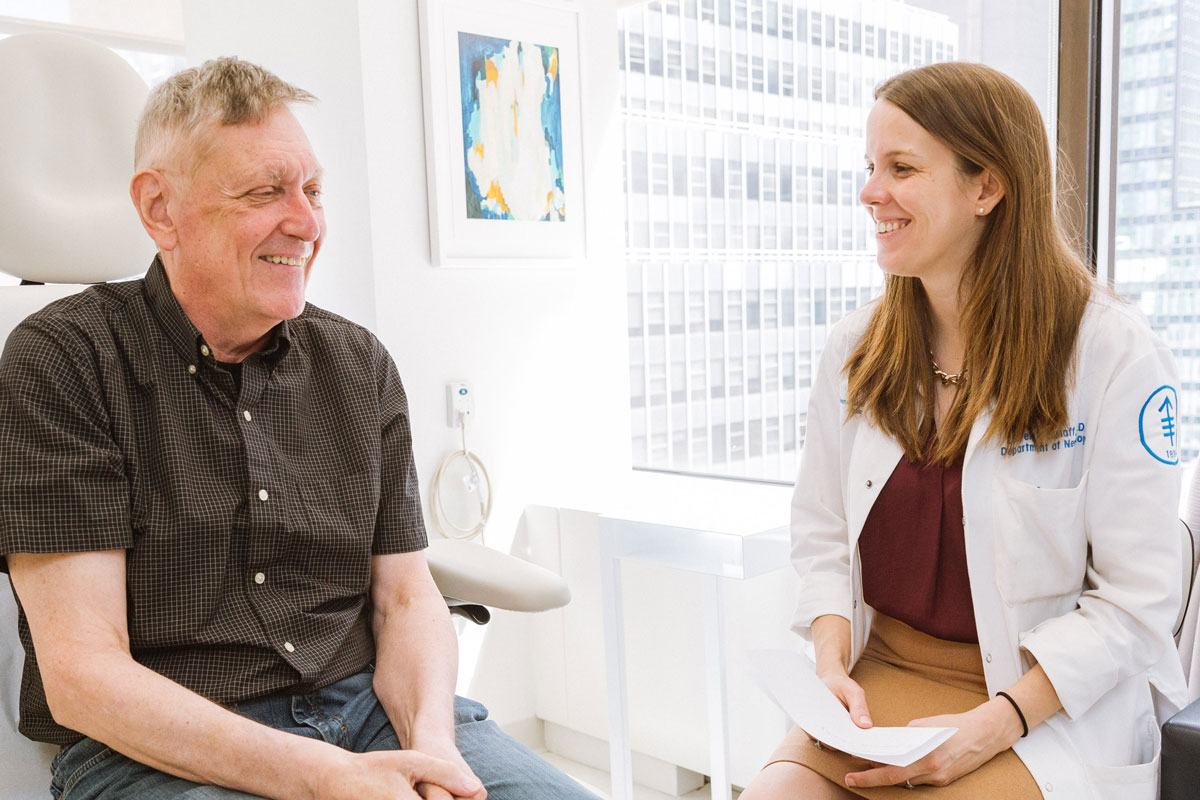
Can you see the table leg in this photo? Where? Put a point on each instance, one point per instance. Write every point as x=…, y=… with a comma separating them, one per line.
x=620, y=761
x=714, y=645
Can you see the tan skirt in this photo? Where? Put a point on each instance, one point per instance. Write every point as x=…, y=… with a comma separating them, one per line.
x=906, y=675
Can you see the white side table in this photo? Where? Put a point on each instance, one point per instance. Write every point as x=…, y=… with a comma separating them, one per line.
x=720, y=553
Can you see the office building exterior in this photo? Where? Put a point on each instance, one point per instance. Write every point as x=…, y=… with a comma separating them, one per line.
x=1157, y=262
x=745, y=237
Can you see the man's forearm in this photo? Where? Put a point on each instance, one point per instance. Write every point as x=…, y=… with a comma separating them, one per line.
x=75, y=605
x=416, y=661
x=416, y=669
x=155, y=721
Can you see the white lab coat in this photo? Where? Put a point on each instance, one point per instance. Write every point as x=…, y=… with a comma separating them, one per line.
x=1072, y=552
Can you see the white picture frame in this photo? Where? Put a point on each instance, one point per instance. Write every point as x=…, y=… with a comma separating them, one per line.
x=509, y=40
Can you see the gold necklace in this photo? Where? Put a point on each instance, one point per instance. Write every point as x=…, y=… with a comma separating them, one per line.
x=946, y=378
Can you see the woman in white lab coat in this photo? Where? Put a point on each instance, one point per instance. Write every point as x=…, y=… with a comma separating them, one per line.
x=985, y=519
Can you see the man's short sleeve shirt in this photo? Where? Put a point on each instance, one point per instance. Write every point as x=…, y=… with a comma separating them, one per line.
x=249, y=509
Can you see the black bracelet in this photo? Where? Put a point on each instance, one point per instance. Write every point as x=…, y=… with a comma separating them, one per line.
x=1017, y=708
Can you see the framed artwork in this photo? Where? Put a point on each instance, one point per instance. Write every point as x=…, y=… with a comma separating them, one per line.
x=500, y=80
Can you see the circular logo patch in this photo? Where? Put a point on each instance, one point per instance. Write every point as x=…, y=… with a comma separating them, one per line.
x=1159, y=425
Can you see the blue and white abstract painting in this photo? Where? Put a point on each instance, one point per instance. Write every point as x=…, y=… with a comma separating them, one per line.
x=512, y=129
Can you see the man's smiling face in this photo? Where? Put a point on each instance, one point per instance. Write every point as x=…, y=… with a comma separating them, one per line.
x=249, y=222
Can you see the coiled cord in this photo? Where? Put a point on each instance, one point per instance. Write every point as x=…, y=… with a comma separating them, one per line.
x=478, y=481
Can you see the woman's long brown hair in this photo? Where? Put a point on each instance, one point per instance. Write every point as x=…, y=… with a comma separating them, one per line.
x=1022, y=296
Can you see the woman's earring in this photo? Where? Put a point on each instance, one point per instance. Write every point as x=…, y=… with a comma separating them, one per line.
x=981, y=209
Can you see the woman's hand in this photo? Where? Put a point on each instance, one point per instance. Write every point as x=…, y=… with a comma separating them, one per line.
x=849, y=693
x=831, y=641
x=983, y=732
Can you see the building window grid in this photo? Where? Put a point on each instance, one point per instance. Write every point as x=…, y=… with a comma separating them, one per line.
x=1157, y=70
x=819, y=222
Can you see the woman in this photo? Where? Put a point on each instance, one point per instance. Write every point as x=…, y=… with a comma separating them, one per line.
x=985, y=520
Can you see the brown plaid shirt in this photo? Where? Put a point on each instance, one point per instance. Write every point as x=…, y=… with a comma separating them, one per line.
x=249, y=514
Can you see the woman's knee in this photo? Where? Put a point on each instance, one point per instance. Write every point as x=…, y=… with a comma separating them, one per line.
x=784, y=780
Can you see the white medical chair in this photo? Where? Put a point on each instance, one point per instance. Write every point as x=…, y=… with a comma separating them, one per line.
x=1180, y=779
x=68, y=113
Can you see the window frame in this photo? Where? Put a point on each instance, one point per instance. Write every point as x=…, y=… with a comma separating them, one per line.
x=1087, y=127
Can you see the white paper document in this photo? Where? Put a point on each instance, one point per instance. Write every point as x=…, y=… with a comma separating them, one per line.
x=791, y=681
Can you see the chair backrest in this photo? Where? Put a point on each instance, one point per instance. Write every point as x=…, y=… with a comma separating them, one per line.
x=1191, y=564
x=68, y=113
x=1187, y=628
x=68, y=117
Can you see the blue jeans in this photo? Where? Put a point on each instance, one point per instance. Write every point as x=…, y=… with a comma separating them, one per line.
x=346, y=714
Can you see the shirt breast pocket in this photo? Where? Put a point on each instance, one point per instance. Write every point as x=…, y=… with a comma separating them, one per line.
x=1041, y=543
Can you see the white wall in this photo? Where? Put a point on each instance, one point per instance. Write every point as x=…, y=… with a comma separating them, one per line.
x=545, y=348
x=314, y=45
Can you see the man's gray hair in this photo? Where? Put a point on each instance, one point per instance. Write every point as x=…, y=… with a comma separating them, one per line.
x=225, y=91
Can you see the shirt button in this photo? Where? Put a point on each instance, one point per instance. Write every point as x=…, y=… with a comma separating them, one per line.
x=246, y=415
x=868, y=484
x=1049, y=787
x=988, y=658
x=262, y=495
x=291, y=648
x=259, y=578
x=204, y=350
x=191, y=369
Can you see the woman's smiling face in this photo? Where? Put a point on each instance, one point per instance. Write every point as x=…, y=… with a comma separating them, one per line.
x=926, y=210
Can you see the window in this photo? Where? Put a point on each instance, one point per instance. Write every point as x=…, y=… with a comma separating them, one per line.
x=753, y=243
x=146, y=33
x=1156, y=188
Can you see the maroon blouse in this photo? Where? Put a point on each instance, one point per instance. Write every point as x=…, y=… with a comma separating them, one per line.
x=914, y=559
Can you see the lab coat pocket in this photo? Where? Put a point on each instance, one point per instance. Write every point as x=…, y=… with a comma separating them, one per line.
x=1040, y=544
x=1134, y=782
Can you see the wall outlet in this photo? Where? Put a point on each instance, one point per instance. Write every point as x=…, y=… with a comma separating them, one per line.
x=460, y=399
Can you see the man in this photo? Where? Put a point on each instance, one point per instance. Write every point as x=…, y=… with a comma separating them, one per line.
x=209, y=508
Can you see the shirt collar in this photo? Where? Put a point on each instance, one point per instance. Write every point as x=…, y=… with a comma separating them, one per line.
x=184, y=336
